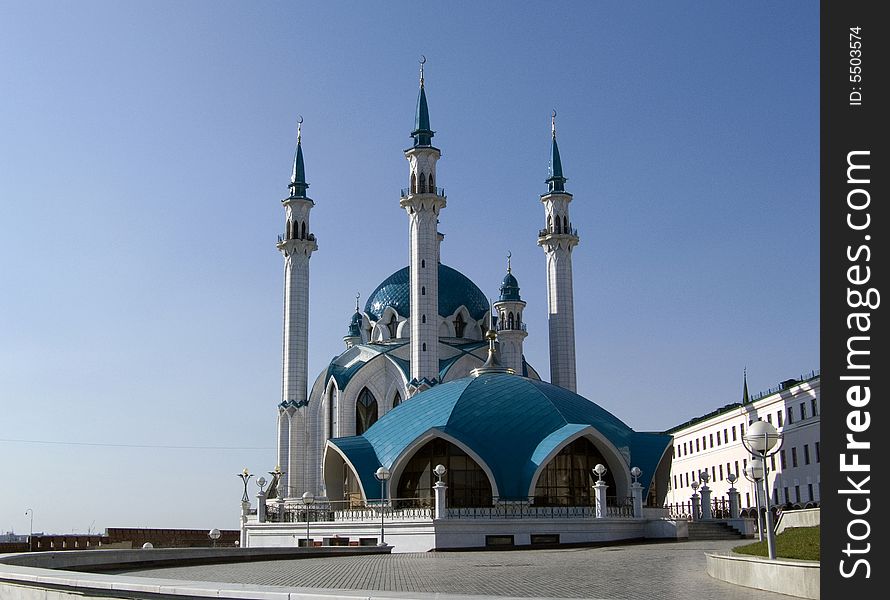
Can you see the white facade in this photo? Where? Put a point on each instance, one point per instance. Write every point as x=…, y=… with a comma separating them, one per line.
x=714, y=444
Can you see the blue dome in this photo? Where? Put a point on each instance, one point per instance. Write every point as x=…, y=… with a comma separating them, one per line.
x=455, y=289
x=355, y=325
x=510, y=288
x=512, y=423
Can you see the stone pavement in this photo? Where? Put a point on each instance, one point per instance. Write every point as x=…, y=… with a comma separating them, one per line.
x=667, y=571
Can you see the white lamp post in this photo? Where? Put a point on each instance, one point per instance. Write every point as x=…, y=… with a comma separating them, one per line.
x=308, y=499
x=753, y=473
x=694, y=500
x=382, y=474
x=762, y=440
x=214, y=535
x=599, y=491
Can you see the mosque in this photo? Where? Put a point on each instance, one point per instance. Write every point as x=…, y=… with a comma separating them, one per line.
x=430, y=376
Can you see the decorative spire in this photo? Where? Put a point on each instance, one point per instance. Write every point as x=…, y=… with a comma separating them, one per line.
x=355, y=324
x=422, y=133
x=492, y=363
x=745, y=398
x=509, y=256
x=556, y=182
x=298, y=183
x=357, y=296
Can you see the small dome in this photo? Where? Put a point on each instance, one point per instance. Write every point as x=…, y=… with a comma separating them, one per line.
x=455, y=289
x=355, y=325
x=510, y=288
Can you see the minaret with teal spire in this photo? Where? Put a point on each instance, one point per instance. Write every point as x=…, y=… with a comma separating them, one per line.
x=510, y=326
x=422, y=201
x=296, y=245
x=353, y=335
x=558, y=239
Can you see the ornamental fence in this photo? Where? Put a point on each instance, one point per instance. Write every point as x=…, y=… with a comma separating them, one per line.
x=686, y=510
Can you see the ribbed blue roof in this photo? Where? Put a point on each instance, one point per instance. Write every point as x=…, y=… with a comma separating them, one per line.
x=510, y=288
x=455, y=289
x=511, y=422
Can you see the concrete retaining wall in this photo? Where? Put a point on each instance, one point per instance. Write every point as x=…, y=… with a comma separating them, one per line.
x=792, y=577
x=805, y=517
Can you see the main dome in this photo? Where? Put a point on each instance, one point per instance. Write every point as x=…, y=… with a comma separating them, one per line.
x=455, y=289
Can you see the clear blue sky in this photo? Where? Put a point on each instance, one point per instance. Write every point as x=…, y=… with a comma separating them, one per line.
x=145, y=147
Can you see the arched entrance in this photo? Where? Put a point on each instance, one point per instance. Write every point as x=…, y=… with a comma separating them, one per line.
x=468, y=485
x=568, y=477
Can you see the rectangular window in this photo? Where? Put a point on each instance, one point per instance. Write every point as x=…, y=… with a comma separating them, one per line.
x=733, y=433
x=687, y=479
x=498, y=540
x=817, y=452
x=790, y=415
x=775, y=495
x=742, y=430
x=728, y=470
x=806, y=454
x=779, y=418
x=744, y=464
x=772, y=462
x=714, y=474
x=813, y=407
x=787, y=497
x=794, y=457
x=782, y=460
x=797, y=494
x=737, y=472
x=697, y=447
x=747, y=498
x=721, y=472
x=725, y=437
x=711, y=440
x=540, y=539
x=803, y=411
x=718, y=438
x=769, y=419
x=810, y=491
x=675, y=481
x=704, y=442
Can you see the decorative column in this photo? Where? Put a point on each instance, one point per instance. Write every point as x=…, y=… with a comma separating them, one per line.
x=599, y=492
x=422, y=201
x=557, y=240
x=705, y=496
x=733, y=497
x=636, y=492
x=694, y=501
x=439, y=489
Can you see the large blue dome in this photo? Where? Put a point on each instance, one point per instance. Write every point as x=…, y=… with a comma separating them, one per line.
x=512, y=423
x=455, y=289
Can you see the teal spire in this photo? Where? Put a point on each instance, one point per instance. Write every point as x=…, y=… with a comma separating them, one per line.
x=422, y=133
x=745, y=397
x=556, y=182
x=298, y=183
x=355, y=324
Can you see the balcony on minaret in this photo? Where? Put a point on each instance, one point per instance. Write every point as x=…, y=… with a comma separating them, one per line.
x=437, y=191
x=552, y=231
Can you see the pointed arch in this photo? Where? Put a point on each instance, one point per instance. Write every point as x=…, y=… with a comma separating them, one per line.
x=460, y=325
x=396, y=400
x=565, y=224
x=413, y=183
x=366, y=411
x=303, y=230
x=422, y=189
x=549, y=224
x=432, y=186
x=510, y=320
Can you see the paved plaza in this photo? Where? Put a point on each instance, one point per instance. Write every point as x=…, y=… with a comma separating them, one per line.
x=667, y=571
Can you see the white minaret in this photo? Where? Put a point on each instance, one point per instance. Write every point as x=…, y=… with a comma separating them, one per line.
x=511, y=329
x=422, y=200
x=297, y=245
x=558, y=239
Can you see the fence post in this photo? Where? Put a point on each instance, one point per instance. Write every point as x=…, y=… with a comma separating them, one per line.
x=599, y=490
x=636, y=490
x=261, y=507
x=441, y=510
x=705, y=502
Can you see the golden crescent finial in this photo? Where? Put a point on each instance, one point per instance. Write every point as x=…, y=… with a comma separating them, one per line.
x=299, y=128
x=509, y=256
x=553, y=122
x=422, y=62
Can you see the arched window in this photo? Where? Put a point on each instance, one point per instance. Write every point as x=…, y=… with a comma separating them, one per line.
x=365, y=411
x=396, y=400
x=391, y=326
x=518, y=319
x=303, y=230
x=287, y=230
x=331, y=413
x=510, y=320
x=558, y=225
x=423, y=347
x=565, y=224
x=549, y=224
x=423, y=291
x=468, y=484
x=413, y=183
x=422, y=182
x=422, y=264
x=432, y=187
x=459, y=326
x=423, y=318
x=568, y=477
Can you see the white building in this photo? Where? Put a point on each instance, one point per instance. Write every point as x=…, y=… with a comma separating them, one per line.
x=713, y=443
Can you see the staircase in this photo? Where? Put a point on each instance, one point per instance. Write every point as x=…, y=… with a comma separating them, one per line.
x=712, y=530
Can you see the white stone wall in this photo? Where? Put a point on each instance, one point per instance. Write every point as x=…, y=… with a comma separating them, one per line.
x=715, y=445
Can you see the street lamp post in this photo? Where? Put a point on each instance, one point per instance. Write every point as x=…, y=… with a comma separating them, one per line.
x=214, y=535
x=31, y=529
x=382, y=474
x=762, y=440
x=308, y=499
x=754, y=473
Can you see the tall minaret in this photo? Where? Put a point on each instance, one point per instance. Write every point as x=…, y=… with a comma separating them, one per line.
x=423, y=201
x=558, y=240
x=297, y=245
x=510, y=328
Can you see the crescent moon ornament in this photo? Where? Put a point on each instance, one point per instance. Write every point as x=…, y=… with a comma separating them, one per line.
x=422, y=59
x=300, y=120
